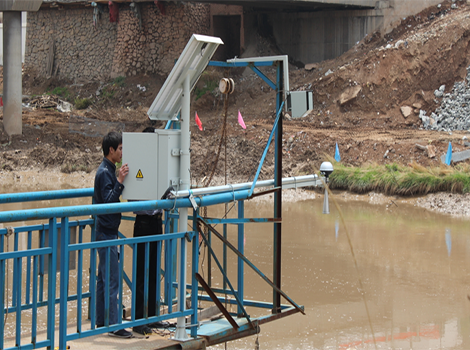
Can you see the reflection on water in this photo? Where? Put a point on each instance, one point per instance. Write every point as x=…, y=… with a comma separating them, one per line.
x=414, y=266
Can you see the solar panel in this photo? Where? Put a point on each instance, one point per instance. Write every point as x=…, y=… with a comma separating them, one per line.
x=193, y=60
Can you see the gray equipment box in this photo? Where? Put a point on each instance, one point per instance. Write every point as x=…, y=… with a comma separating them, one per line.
x=299, y=102
x=154, y=163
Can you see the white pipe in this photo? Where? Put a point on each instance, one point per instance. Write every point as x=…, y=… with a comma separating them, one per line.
x=288, y=182
x=185, y=163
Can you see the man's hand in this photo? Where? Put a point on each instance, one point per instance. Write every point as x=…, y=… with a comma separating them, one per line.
x=123, y=171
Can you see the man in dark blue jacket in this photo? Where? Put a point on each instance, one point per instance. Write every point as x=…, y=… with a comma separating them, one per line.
x=108, y=189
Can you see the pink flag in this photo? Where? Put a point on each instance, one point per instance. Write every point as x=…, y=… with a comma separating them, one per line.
x=198, y=122
x=240, y=120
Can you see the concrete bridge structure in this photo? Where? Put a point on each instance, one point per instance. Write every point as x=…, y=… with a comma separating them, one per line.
x=298, y=3
x=307, y=30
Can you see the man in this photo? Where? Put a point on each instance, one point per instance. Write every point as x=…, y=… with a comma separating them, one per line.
x=108, y=189
x=147, y=223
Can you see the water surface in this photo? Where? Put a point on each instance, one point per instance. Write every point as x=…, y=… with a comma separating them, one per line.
x=414, y=266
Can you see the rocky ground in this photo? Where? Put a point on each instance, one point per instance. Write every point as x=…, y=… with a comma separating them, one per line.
x=376, y=101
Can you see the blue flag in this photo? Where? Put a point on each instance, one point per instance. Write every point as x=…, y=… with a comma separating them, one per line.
x=337, y=156
x=449, y=154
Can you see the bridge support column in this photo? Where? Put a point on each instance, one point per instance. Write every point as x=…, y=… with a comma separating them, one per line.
x=12, y=77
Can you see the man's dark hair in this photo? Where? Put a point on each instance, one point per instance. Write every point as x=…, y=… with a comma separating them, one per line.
x=112, y=139
x=149, y=129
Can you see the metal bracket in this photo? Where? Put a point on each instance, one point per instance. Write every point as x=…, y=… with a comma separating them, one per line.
x=175, y=152
x=193, y=202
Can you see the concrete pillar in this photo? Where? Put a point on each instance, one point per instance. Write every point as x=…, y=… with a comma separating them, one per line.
x=12, y=77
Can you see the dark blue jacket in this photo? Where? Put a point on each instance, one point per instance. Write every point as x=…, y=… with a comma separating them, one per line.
x=107, y=190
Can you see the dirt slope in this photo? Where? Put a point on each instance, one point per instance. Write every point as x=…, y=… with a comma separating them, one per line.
x=380, y=76
x=403, y=69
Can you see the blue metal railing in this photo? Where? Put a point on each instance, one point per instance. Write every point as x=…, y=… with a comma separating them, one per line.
x=28, y=279
x=29, y=282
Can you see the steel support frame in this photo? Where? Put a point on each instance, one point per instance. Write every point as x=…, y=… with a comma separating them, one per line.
x=277, y=131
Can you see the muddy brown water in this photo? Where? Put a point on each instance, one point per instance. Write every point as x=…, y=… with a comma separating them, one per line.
x=414, y=266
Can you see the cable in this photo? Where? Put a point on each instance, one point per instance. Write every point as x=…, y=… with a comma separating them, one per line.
x=224, y=131
x=361, y=287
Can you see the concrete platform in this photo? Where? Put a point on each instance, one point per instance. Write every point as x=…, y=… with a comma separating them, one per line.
x=157, y=340
x=105, y=342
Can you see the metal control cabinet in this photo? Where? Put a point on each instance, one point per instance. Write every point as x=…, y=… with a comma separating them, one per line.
x=154, y=163
x=299, y=102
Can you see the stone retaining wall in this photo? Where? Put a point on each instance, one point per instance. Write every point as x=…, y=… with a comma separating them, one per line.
x=83, y=52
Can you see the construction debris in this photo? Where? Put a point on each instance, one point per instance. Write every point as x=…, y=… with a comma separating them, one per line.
x=429, y=149
x=457, y=156
x=50, y=101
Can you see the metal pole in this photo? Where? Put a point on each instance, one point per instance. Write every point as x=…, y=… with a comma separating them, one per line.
x=241, y=249
x=12, y=83
x=278, y=195
x=185, y=164
x=288, y=182
x=194, y=285
x=64, y=280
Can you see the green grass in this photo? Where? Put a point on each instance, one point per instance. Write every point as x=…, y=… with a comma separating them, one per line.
x=60, y=91
x=119, y=81
x=82, y=103
x=395, y=179
x=108, y=92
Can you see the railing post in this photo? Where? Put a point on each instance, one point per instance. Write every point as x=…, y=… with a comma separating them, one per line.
x=42, y=243
x=16, y=268
x=52, y=280
x=64, y=280
x=241, y=249
x=158, y=287
x=121, y=255
x=180, y=333
x=168, y=285
x=16, y=297
x=194, y=283
x=134, y=281
x=28, y=269
x=92, y=272
x=34, y=317
x=80, y=279
x=92, y=284
x=2, y=298
x=170, y=262
x=224, y=255
x=209, y=259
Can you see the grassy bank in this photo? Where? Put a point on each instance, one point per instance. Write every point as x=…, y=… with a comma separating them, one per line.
x=393, y=179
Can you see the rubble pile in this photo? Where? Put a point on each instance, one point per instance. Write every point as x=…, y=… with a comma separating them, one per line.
x=454, y=111
x=49, y=101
